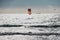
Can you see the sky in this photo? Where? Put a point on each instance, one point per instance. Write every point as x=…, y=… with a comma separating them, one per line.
x=4, y=4
x=32, y=3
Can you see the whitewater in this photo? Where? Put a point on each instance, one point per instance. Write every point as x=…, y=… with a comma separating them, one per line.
x=33, y=19
x=27, y=21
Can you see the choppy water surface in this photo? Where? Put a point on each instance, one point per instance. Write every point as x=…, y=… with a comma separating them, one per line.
x=23, y=23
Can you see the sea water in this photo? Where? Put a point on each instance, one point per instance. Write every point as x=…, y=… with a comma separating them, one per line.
x=27, y=20
x=33, y=19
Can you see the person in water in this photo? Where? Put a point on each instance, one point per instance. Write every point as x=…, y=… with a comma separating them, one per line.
x=29, y=11
x=29, y=14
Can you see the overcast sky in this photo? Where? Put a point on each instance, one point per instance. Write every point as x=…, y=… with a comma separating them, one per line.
x=31, y=3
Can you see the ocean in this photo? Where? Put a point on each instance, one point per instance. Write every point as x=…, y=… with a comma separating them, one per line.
x=30, y=27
